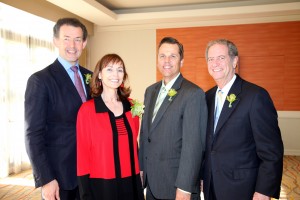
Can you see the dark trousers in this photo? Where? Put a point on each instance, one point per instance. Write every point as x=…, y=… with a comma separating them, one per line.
x=212, y=194
x=150, y=196
x=69, y=194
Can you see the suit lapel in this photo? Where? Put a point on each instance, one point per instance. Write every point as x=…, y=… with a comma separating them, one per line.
x=60, y=74
x=211, y=107
x=153, y=97
x=84, y=72
x=226, y=110
x=166, y=103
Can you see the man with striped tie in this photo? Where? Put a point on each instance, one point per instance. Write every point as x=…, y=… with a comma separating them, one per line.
x=244, y=149
x=52, y=99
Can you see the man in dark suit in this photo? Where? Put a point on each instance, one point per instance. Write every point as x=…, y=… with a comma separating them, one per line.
x=51, y=105
x=172, y=136
x=244, y=149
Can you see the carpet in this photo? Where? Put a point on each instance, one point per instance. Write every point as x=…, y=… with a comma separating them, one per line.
x=21, y=186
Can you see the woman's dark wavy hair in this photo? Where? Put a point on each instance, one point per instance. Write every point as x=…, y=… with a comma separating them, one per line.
x=96, y=84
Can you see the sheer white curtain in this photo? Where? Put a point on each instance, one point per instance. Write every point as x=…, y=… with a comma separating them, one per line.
x=25, y=47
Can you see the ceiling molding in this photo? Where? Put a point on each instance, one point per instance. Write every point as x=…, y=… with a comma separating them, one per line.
x=199, y=23
x=105, y=19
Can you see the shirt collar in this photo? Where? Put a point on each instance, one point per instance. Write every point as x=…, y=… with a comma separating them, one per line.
x=170, y=84
x=65, y=63
x=227, y=87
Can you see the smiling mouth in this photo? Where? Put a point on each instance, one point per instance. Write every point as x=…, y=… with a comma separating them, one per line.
x=217, y=70
x=114, y=81
x=71, y=51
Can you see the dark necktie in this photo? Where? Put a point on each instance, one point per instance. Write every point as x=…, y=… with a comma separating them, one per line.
x=78, y=83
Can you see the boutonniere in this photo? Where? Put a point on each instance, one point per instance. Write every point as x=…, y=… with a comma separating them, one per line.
x=88, y=78
x=231, y=98
x=137, y=108
x=171, y=93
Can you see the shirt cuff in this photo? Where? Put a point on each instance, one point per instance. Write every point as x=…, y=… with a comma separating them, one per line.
x=184, y=191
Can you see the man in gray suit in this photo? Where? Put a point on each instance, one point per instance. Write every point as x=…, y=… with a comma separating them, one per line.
x=173, y=130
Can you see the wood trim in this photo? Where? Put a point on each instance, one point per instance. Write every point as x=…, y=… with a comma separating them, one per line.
x=269, y=56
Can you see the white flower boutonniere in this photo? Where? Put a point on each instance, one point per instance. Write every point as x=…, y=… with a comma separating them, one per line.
x=171, y=93
x=137, y=108
x=231, y=98
x=88, y=78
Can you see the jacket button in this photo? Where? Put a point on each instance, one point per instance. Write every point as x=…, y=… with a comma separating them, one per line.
x=149, y=140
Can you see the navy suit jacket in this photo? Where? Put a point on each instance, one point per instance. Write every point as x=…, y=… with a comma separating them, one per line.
x=51, y=106
x=245, y=155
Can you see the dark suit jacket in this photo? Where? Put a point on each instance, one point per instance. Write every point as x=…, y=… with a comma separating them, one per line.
x=246, y=152
x=51, y=105
x=171, y=147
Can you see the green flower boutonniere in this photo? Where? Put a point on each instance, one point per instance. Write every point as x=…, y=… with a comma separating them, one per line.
x=137, y=108
x=88, y=78
x=171, y=93
x=231, y=98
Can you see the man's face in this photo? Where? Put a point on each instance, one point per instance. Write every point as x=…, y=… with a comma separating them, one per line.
x=70, y=43
x=168, y=61
x=220, y=66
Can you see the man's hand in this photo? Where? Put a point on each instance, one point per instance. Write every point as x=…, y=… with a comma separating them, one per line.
x=181, y=195
x=259, y=196
x=50, y=191
x=142, y=175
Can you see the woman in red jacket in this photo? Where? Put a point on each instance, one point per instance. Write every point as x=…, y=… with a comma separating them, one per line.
x=107, y=161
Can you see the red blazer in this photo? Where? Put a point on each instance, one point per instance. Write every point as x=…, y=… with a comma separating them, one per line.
x=97, y=156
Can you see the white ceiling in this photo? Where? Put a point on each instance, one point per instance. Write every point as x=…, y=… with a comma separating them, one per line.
x=131, y=4
x=116, y=13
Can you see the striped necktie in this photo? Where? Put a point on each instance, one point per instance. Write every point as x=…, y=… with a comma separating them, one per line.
x=218, y=108
x=160, y=99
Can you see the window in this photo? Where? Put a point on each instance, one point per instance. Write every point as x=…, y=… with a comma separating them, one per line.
x=26, y=47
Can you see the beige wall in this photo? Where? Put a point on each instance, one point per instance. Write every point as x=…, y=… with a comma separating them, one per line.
x=46, y=10
x=289, y=123
x=136, y=47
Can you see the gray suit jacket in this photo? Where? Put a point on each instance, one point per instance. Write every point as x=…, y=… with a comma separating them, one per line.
x=171, y=147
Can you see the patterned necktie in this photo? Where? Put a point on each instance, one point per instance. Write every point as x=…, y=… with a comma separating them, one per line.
x=218, y=108
x=159, y=101
x=78, y=83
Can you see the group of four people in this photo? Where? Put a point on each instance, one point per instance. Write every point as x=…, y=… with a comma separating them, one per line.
x=90, y=150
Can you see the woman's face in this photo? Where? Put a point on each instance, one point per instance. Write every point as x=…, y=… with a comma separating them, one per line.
x=112, y=76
